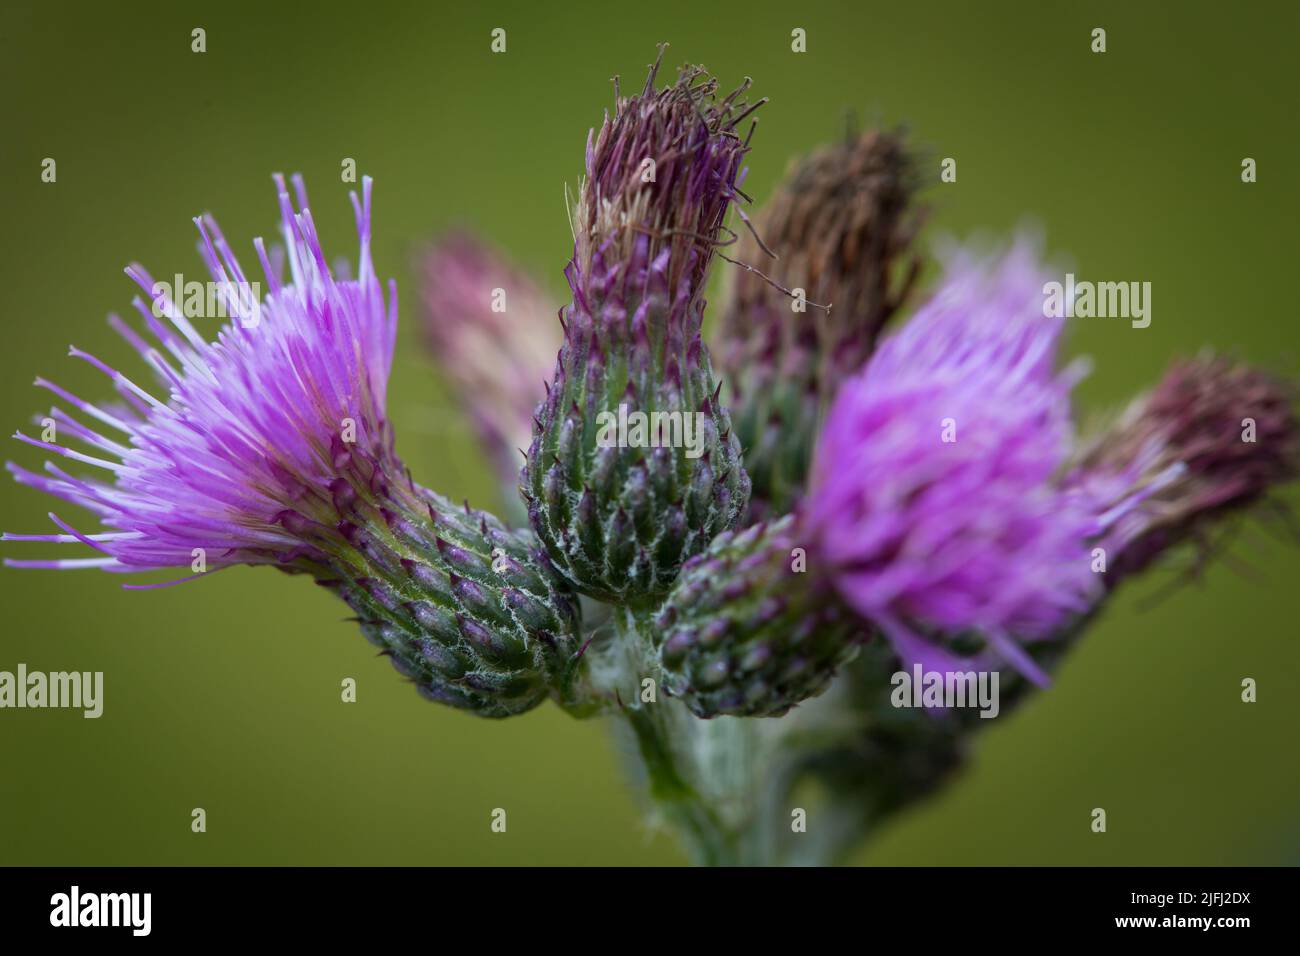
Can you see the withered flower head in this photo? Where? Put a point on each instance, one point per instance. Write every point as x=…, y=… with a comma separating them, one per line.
x=661, y=175
x=841, y=224
x=1213, y=437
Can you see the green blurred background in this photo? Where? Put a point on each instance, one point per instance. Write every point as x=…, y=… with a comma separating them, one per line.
x=224, y=694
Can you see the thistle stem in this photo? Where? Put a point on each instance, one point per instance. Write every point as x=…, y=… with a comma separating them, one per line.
x=664, y=732
x=707, y=839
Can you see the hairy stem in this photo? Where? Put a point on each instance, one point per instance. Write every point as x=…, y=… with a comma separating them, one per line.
x=713, y=781
x=707, y=839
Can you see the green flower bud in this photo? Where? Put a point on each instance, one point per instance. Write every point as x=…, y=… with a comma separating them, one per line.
x=633, y=466
x=747, y=631
x=467, y=609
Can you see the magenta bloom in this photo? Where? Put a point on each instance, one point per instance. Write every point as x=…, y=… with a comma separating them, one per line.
x=238, y=443
x=933, y=498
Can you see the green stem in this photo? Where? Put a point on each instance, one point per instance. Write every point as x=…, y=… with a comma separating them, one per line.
x=727, y=786
x=664, y=733
x=706, y=837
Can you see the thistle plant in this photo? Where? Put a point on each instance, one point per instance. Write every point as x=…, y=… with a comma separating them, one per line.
x=619, y=518
x=734, y=581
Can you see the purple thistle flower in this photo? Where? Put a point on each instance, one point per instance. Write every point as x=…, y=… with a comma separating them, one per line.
x=932, y=538
x=272, y=446
x=253, y=433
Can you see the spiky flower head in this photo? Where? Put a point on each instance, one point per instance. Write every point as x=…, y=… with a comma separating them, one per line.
x=494, y=333
x=841, y=224
x=235, y=437
x=1213, y=437
x=271, y=445
x=933, y=495
x=1182, y=457
x=661, y=175
x=633, y=466
x=747, y=632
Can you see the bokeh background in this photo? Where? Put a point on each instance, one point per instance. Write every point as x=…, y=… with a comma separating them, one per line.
x=224, y=694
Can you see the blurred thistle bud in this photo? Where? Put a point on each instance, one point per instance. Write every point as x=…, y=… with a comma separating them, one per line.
x=748, y=631
x=633, y=466
x=494, y=333
x=842, y=224
x=1213, y=437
